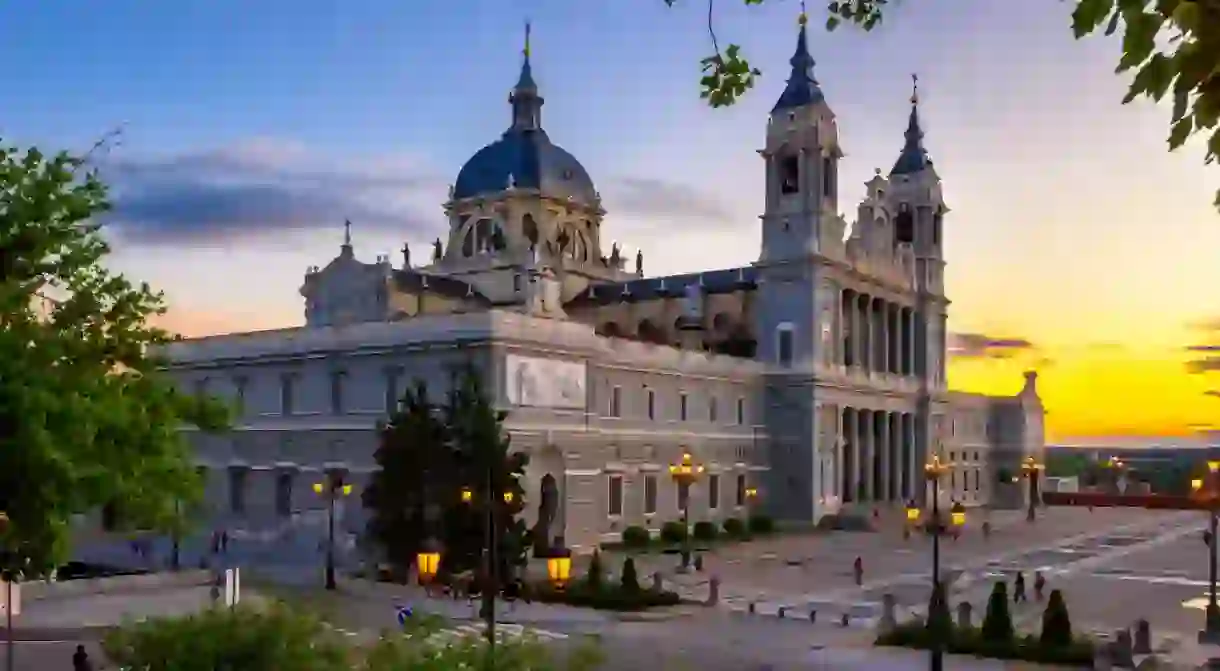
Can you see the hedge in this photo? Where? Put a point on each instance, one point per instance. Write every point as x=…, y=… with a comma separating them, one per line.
x=970, y=641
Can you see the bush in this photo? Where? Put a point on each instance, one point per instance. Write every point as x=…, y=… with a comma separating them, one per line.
x=1056, y=625
x=705, y=531
x=607, y=598
x=761, y=524
x=629, y=581
x=915, y=634
x=636, y=537
x=997, y=623
x=221, y=638
x=673, y=532
x=595, y=577
x=734, y=527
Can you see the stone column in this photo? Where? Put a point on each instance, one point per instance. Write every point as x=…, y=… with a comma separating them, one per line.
x=855, y=475
x=863, y=304
x=914, y=468
x=857, y=335
x=896, y=464
x=896, y=340
x=883, y=347
x=836, y=483
x=869, y=443
x=883, y=489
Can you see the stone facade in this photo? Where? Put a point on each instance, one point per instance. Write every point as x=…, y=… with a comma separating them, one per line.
x=815, y=375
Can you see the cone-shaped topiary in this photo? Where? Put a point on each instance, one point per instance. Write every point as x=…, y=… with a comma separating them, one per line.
x=997, y=623
x=940, y=620
x=596, y=574
x=629, y=581
x=1056, y=625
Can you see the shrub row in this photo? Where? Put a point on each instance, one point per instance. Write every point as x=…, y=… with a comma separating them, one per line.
x=673, y=533
x=594, y=591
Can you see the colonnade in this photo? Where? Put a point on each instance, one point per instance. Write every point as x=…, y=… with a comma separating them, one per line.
x=875, y=456
x=876, y=335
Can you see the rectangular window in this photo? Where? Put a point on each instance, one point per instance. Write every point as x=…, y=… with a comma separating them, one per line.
x=287, y=394
x=336, y=392
x=652, y=403
x=616, y=402
x=391, y=390
x=283, y=494
x=741, y=490
x=237, y=490
x=952, y=457
x=240, y=384
x=713, y=492
x=783, y=346
x=741, y=410
x=682, y=402
x=712, y=410
x=650, y=494
x=614, y=495
x=953, y=480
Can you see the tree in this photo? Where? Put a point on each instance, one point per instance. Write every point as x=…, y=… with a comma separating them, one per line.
x=940, y=621
x=415, y=475
x=1056, y=625
x=484, y=464
x=87, y=417
x=1173, y=46
x=629, y=581
x=997, y=623
x=595, y=577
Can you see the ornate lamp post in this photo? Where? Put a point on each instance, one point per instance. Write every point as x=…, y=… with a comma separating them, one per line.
x=427, y=563
x=490, y=588
x=332, y=489
x=559, y=569
x=1210, y=492
x=684, y=474
x=1032, y=470
x=935, y=525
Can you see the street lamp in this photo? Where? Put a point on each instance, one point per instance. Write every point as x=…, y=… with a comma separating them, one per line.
x=684, y=474
x=933, y=471
x=1033, y=472
x=559, y=569
x=1210, y=492
x=490, y=568
x=427, y=562
x=332, y=489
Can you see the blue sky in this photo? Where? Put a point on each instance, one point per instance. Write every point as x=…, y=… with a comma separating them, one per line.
x=252, y=129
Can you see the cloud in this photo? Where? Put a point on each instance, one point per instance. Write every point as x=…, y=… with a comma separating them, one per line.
x=1105, y=347
x=1206, y=364
x=980, y=345
x=260, y=189
x=649, y=197
x=1212, y=392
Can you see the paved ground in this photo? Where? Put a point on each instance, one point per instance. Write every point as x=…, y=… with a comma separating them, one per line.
x=49, y=655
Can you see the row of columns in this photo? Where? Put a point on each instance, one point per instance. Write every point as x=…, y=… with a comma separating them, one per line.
x=876, y=335
x=875, y=458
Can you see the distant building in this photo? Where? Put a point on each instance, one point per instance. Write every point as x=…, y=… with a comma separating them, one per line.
x=815, y=375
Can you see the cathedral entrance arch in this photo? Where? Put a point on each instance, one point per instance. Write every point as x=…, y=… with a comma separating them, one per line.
x=550, y=520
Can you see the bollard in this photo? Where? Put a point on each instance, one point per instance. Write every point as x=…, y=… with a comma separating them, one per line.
x=845, y=620
x=813, y=616
x=1142, y=645
x=751, y=608
x=781, y=612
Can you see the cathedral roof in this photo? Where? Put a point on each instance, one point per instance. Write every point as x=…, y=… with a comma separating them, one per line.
x=723, y=281
x=524, y=157
x=802, y=88
x=914, y=157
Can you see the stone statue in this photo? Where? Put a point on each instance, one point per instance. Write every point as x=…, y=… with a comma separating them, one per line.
x=639, y=262
x=615, y=255
x=563, y=240
x=451, y=192
x=406, y=255
x=438, y=250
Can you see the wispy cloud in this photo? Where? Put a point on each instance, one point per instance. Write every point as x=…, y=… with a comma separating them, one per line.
x=260, y=189
x=1212, y=392
x=981, y=345
x=650, y=197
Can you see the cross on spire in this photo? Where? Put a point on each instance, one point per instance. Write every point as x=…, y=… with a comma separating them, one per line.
x=347, y=232
x=804, y=17
x=526, y=50
x=914, y=88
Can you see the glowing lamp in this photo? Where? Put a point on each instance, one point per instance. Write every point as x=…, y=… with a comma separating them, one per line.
x=559, y=570
x=912, y=512
x=1196, y=484
x=957, y=515
x=318, y=488
x=427, y=564
x=508, y=497
x=467, y=495
x=1213, y=466
x=347, y=490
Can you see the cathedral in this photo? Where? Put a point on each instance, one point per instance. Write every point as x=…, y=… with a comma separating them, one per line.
x=807, y=382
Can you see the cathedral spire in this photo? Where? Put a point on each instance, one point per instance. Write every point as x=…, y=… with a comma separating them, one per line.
x=527, y=104
x=346, y=249
x=802, y=88
x=914, y=157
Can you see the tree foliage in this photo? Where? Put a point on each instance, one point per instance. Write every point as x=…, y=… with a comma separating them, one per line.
x=1056, y=625
x=997, y=623
x=939, y=624
x=428, y=455
x=86, y=417
x=1171, y=46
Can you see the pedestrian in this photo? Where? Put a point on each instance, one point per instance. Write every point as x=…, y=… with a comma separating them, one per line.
x=986, y=529
x=1039, y=585
x=857, y=568
x=1018, y=588
x=224, y=541
x=80, y=660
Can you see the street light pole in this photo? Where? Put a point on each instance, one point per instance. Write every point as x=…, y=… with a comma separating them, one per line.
x=489, y=568
x=683, y=474
x=937, y=661
x=932, y=474
x=1033, y=472
x=1211, y=491
x=332, y=489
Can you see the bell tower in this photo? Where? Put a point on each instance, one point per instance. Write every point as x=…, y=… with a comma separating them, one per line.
x=801, y=158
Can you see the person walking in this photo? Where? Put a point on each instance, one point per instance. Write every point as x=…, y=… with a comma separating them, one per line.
x=857, y=568
x=1018, y=588
x=80, y=660
x=1039, y=585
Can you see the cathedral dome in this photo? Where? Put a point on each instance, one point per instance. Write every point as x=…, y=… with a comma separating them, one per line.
x=524, y=158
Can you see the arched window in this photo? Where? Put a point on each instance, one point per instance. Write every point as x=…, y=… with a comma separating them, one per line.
x=789, y=175
x=904, y=225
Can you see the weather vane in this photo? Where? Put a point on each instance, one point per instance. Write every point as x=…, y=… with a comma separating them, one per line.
x=803, y=18
x=527, y=38
x=914, y=88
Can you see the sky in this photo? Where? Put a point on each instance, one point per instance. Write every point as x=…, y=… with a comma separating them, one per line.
x=1076, y=245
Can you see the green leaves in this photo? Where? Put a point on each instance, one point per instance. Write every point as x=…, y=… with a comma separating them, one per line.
x=86, y=415
x=726, y=77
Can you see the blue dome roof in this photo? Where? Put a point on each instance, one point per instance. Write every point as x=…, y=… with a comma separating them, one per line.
x=527, y=159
